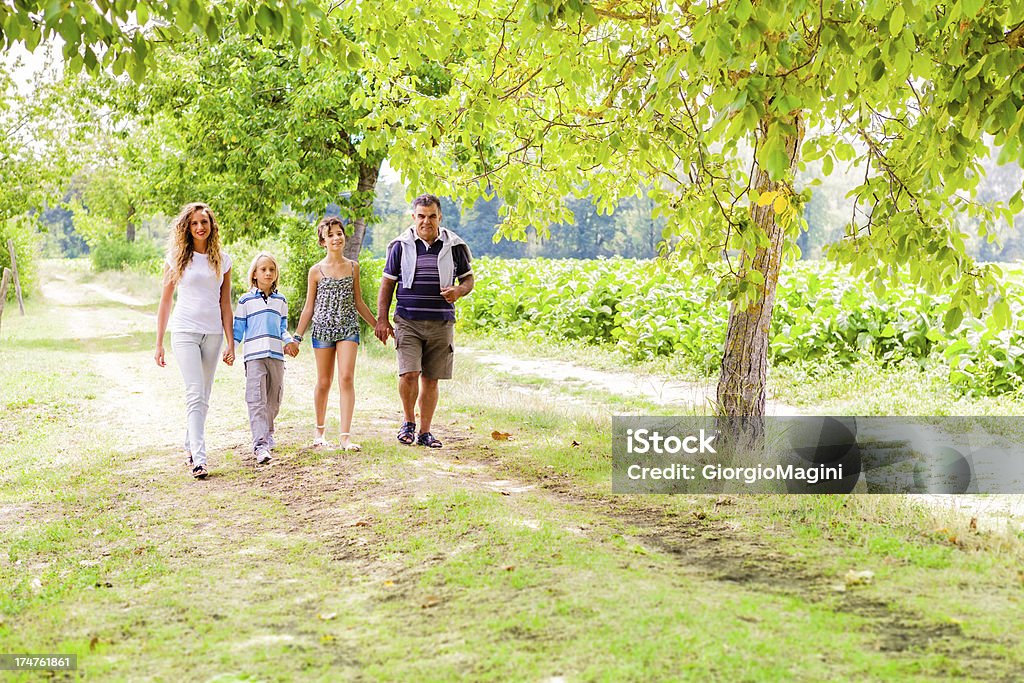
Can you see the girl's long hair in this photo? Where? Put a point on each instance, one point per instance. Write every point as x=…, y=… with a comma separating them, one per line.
x=179, y=243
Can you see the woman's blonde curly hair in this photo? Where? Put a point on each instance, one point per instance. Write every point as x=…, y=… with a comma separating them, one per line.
x=179, y=243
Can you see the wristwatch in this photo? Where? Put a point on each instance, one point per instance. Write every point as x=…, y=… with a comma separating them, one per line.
x=297, y=338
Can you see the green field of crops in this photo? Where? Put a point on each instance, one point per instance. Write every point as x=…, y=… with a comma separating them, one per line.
x=650, y=308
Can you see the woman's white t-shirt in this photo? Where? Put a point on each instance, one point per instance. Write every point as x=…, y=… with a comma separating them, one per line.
x=198, y=306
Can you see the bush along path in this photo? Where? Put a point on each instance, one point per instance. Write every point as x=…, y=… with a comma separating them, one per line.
x=488, y=560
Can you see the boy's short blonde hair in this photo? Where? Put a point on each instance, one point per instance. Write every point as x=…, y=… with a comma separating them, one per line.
x=256, y=261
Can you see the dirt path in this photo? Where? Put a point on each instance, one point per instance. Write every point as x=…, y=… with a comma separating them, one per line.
x=662, y=391
x=346, y=502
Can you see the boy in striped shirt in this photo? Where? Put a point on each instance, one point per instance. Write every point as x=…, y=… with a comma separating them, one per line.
x=261, y=322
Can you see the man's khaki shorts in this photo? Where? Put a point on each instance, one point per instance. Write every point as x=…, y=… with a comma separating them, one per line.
x=425, y=346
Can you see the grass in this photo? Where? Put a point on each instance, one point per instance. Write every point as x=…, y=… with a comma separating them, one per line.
x=866, y=388
x=487, y=560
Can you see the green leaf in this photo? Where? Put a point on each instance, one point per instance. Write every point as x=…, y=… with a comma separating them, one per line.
x=212, y=32
x=952, y=319
x=742, y=10
x=137, y=70
x=12, y=28
x=264, y=18
x=773, y=155
x=970, y=8
x=896, y=19
x=787, y=103
x=826, y=164
x=1001, y=314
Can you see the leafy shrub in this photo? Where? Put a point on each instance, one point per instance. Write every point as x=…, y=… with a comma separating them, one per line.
x=301, y=251
x=27, y=242
x=115, y=253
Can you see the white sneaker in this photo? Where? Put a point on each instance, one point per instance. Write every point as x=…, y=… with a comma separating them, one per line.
x=262, y=456
x=270, y=441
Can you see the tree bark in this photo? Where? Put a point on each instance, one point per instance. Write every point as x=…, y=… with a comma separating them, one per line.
x=129, y=233
x=365, y=187
x=744, y=372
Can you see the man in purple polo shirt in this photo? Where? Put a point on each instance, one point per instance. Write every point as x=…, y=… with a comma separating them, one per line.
x=423, y=263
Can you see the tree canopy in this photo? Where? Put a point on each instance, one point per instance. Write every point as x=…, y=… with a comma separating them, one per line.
x=715, y=106
x=718, y=105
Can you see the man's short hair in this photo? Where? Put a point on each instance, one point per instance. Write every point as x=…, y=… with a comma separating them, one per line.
x=427, y=200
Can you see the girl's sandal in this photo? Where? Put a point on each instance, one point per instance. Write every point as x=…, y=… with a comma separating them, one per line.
x=407, y=434
x=349, y=446
x=199, y=472
x=319, y=441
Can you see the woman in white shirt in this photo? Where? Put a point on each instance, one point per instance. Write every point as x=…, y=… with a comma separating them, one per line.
x=201, y=273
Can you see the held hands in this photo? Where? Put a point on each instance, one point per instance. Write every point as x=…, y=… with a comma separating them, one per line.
x=291, y=349
x=229, y=355
x=383, y=330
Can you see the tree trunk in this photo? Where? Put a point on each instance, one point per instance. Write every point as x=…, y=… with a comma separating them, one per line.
x=368, y=173
x=129, y=233
x=741, y=384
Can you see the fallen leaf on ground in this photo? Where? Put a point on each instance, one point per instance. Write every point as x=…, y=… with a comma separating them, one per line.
x=859, y=578
x=430, y=601
x=501, y=436
x=389, y=583
x=92, y=643
x=510, y=567
x=974, y=523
